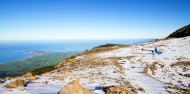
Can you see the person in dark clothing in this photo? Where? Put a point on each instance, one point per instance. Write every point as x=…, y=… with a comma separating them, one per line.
x=155, y=49
x=152, y=52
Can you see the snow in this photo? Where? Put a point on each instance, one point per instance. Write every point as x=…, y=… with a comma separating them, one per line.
x=132, y=61
x=172, y=51
x=134, y=73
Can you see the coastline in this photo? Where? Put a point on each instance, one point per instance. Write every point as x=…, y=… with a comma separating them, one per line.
x=120, y=65
x=32, y=63
x=67, y=46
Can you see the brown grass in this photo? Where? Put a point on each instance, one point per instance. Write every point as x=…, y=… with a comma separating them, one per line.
x=89, y=54
x=187, y=91
x=104, y=48
x=179, y=89
x=187, y=75
x=130, y=57
x=115, y=61
x=183, y=63
x=152, y=67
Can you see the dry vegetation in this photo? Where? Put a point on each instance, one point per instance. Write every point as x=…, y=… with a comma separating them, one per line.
x=181, y=63
x=88, y=55
x=104, y=48
x=178, y=89
x=153, y=67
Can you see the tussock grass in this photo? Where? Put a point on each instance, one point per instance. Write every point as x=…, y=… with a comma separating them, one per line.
x=179, y=89
x=130, y=57
x=187, y=75
x=183, y=63
x=43, y=70
x=104, y=48
x=152, y=67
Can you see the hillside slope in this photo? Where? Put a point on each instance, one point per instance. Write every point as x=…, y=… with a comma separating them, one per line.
x=22, y=66
x=141, y=71
x=182, y=32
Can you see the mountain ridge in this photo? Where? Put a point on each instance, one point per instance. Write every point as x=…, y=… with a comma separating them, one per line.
x=182, y=32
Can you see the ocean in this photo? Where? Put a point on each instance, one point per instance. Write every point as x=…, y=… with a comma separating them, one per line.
x=16, y=50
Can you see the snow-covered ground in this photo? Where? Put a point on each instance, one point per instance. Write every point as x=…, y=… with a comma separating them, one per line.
x=120, y=67
x=134, y=60
x=138, y=79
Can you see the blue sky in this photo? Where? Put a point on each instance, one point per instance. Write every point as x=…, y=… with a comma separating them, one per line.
x=91, y=19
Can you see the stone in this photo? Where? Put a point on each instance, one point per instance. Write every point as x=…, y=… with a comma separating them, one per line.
x=32, y=78
x=45, y=82
x=172, y=92
x=117, y=90
x=141, y=89
x=74, y=87
x=15, y=83
x=62, y=72
x=180, y=81
x=171, y=83
x=28, y=74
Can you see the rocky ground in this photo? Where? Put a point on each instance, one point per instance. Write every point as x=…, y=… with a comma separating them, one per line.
x=129, y=69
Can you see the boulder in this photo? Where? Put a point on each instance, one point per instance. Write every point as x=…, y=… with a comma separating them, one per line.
x=27, y=74
x=61, y=72
x=15, y=84
x=74, y=87
x=171, y=83
x=32, y=78
x=118, y=90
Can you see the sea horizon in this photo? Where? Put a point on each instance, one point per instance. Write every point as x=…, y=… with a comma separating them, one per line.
x=12, y=51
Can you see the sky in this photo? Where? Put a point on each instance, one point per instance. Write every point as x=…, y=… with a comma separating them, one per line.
x=91, y=19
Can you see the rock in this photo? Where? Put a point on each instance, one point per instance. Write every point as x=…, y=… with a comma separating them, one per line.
x=171, y=83
x=118, y=90
x=45, y=82
x=45, y=74
x=74, y=87
x=180, y=81
x=172, y=92
x=15, y=83
x=7, y=78
x=32, y=78
x=28, y=74
x=141, y=89
x=62, y=72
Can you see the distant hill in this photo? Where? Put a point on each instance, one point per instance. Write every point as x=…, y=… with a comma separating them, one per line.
x=182, y=32
x=22, y=66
